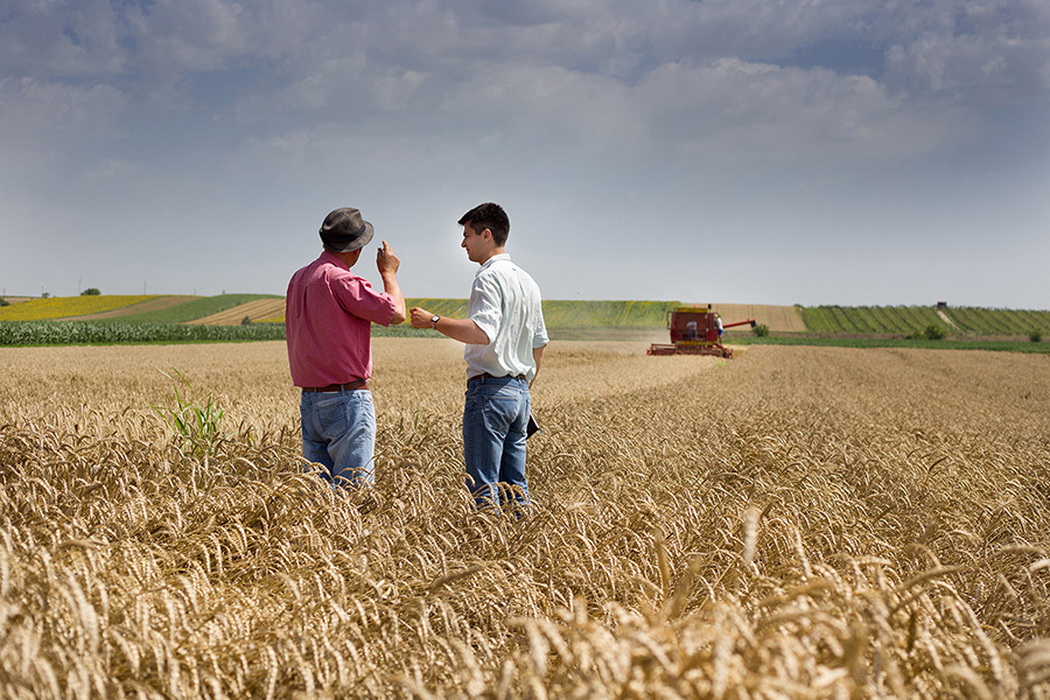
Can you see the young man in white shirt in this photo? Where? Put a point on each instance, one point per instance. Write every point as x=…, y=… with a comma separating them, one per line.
x=505, y=335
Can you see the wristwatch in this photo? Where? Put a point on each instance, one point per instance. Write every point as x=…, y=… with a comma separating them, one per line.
x=434, y=320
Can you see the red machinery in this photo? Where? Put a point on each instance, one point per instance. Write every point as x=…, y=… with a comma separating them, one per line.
x=694, y=331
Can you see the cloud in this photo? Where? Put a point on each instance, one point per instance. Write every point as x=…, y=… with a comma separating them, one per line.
x=733, y=109
x=703, y=77
x=190, y=35
x=356, y=62
x=66, y=39
x=860, y=119
x=983, y=52
x=41, y=122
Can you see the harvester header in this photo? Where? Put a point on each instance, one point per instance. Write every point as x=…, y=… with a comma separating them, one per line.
x=696, y=331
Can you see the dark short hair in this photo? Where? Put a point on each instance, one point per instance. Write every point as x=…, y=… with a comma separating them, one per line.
x=488, y=216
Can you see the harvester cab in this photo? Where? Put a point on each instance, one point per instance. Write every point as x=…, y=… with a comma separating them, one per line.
x=695, y=331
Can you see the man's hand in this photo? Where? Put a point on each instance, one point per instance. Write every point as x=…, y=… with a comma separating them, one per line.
x=421, y=318
x=386, y=261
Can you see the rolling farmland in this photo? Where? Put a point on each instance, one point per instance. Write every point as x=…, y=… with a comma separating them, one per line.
x=151, y=306
x=195, y=308
x=790, y=523
x=909, y=319
x=641, y=321
x=231, y=309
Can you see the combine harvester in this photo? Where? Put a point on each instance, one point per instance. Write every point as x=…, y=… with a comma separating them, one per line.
x=694, y=331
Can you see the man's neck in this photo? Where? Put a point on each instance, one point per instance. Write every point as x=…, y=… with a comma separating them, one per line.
x=349, y=259
x=494, y=253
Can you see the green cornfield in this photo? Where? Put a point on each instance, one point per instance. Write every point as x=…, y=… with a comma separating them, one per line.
x=98, y=332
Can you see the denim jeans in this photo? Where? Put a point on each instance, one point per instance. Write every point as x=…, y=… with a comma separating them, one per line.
x=495, y=415
x=339, y=432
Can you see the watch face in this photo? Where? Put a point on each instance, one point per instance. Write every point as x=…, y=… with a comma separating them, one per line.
x=434, y=318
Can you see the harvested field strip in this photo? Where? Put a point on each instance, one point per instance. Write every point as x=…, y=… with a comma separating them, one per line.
x=779, y=318
x=791, y=523
x=257, y=310
x=68, y=307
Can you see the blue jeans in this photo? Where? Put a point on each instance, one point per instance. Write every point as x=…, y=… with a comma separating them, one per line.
x=339, y=432
x=495, y=415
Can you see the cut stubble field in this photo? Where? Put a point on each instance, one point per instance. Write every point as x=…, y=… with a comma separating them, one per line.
x=253, y=310
x=795, y=522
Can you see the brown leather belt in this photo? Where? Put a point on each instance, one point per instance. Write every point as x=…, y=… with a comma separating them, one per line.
x=486, y=375
x=352, y=386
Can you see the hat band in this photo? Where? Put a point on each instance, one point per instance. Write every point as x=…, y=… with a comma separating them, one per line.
x=339, y=242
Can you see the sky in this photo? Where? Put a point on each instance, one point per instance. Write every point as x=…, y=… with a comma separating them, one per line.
x=852, y=152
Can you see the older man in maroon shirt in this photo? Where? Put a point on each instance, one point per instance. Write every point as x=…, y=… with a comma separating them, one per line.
x=328, y=316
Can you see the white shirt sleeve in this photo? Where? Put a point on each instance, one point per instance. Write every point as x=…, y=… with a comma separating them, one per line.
x=539, y=338
x=485, y=307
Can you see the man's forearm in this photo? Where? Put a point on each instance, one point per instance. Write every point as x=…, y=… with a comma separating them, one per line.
x=462, y=329
x=537, y=358
x=393, y=288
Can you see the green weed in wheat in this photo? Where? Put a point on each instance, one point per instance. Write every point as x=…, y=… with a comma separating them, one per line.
x=196, y=420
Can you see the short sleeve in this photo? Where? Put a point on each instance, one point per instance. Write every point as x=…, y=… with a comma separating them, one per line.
x=486, y=308
x=540, y=338
x=356, y=296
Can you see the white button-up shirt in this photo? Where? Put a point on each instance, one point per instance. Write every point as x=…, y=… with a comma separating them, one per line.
x=505, y=304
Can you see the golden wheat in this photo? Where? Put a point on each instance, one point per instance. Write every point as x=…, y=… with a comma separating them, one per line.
x=795, y=522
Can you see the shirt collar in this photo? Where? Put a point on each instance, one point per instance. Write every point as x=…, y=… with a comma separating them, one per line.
x=330, y=258
x=494, y=258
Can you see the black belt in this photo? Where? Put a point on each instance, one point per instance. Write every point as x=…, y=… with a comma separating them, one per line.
x=486, y=375
x=358, y=384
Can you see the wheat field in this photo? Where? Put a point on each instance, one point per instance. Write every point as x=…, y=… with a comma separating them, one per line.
x=792, y=523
